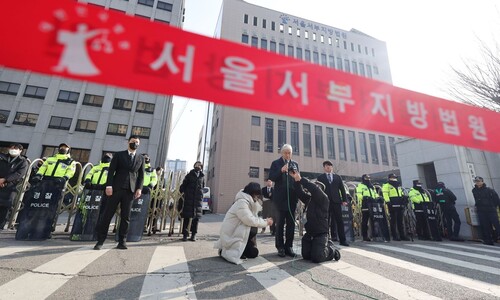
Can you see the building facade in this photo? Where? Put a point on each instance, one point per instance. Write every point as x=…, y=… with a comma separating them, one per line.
x=243, y=143
x=42, y=111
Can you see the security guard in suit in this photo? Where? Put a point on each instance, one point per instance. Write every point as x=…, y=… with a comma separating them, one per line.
x=394, y=198
x=418, y=197
x=59, y=168
x=365, y=192
x=97, y=176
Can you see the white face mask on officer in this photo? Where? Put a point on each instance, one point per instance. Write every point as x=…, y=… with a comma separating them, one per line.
x=14, y=152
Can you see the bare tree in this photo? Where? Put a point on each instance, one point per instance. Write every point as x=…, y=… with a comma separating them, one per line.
x=478, y=82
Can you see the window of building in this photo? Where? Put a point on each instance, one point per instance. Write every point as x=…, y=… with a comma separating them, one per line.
x=315, y=57
x=306, y=133
x=330, y=143
x=294, y=137
x=140, y=131
x=337, y=42
x=375, y=70
x=60, y=123
x=345, y=45
x=9, y=88
x=307, y=53
x=264, y=23
x=35, y=92
x=272, y=46
x=329, y=40
x=318, y=140
x=352, y=47
x=255, y=145
x=352, y=145
x=255, y=41
x=341, y=137
x=373, y=148
x=298, y=53
x=369, y=71
x=347, y=65
x=362, y=147
x=362, y=69
x=281, y=49
x=144, y=107
x=213, y=172
x=323, y=60
x=366, y=50
x=255, y=121
x=383, y=150
x=355, y=67
x=146, y=2
x=373, y=52
x=273, y=26
x=290, y=50
x=339, y=63
x=266, y=173
x=359, y=48
x=263, y=44
x=245, y=18
x=93, y=100
x=4, y=115
x=281, y=133
x=314, y=36
x=122, y=104
x=86, y=126
x=322, y=39
x=282, y=28
x=298, y=32
x=67, y=96
x=268, y=135
x=117, y=129
x=244, y=38
x=25, y=119
x=392, y=148
x=164, y=6
x=254, y=21
x=162, y=21
x=290, y=30
x=306, y=34
x=331, y=61
x=78, y=154
x=253, y=172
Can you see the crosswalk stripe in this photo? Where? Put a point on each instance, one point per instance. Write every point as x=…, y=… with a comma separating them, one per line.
x=442, y=259
x=378, y=282
x=47, y=278
x=438, y=274
x=468, y=254
x=168, y=275
x=481, y=249
x=278, y=282
x=5, y=251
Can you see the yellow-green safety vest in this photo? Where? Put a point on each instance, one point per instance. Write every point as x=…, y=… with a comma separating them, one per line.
x=98, y=174
x=57, y=166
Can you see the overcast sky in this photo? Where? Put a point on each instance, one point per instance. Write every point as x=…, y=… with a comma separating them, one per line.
x=424, y=38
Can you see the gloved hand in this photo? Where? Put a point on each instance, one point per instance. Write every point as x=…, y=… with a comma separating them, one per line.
x=87, y=184
x=61, y=180
x=36, y=179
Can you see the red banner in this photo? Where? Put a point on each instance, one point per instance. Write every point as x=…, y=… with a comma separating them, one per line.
x=65, y=38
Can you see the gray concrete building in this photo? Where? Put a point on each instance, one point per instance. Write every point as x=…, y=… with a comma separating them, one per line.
x=42, y=111
x=243, y=143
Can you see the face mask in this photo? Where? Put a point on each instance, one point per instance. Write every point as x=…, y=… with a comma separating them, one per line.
x=198, y=169
x=418, y=185
x=106, y=159
x=133, y=146
x=14, y=152
x=147, y=160
x=63, y=151
x=393, y=179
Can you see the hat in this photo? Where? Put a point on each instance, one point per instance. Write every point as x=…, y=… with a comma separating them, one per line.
x=478, y=178
x=327, y=163
x=440, y=183
x=416, y=181
x=392, y=175
x=64, y=144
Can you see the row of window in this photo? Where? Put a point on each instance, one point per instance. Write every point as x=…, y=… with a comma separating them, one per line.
x=312, y=56
x=30, y=119
x=160, y=5
x=313, y=36
x=72, y=97
x=307, y=147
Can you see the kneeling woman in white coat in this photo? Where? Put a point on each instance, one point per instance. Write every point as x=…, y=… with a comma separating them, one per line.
x=239, y=229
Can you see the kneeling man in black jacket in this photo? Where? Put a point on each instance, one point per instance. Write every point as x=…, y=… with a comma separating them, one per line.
x=315, y=244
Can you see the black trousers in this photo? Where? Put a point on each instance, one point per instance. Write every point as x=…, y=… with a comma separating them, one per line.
x=487, y=219
x=336, y=222
x=124, y=198
x=365, y=217
x=6, y=199
x=194, y=226
x=422, y=228
x=451, y=217
x=315, y=248
x=251, y=250
x=282, y=239
x=397, y=227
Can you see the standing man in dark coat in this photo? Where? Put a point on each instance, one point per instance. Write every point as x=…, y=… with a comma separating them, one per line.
x=487, y=203
x=268, y=204
x=446, y=200
x=285, y=200
x=13, y=167
x=124, y=185
x=334, y=188
x=192, y=188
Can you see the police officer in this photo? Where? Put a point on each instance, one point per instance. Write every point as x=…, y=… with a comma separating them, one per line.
x=13, y=167
x=394, y=198
x=59, y=168
x=418, y=197
x=97, y=176
x=446, y=200
x=487, y=203
x=150, y=176
x=366, y=193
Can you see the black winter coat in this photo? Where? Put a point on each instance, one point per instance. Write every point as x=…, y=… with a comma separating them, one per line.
x=317, y=206
x=13, y=171
x=486, y=198
x=445, y=198
x=192, y=187
x=283, y=190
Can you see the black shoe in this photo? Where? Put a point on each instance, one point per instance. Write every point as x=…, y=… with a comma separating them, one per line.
x=122, y=246
x=457, y=239
x=289, y=252
x=220, y=252
x=489, y=243
x=272, y=233
x=193, y=238
x=184, y=238
x=98, y=246
x=281, y=252
x=367, y=240
x=405, y=239
x=344, y=243
x=243, y=256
